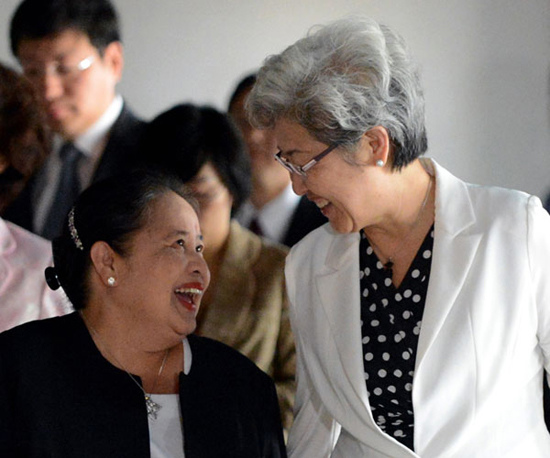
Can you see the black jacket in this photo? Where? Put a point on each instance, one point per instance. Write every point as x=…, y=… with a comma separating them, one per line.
x=60, y=398
x=306, y=217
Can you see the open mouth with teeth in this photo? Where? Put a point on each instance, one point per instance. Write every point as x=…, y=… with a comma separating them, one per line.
x=322, y=205
x=189, y=296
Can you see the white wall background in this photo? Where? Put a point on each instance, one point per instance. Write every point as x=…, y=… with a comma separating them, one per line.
x=485, y=67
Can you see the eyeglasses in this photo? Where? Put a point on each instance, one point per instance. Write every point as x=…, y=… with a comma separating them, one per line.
x=58, y=69
x=302, y=169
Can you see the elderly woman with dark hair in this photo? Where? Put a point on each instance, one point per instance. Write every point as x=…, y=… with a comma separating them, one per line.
x=247, y=309
x=422, y=311
x=124, y=376
x=24, y=144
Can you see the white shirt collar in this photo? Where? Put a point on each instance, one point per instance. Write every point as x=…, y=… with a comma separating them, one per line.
x=274, y=218
x=92, y=142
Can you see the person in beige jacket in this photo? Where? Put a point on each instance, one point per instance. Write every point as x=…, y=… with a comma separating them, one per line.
x=247, y=307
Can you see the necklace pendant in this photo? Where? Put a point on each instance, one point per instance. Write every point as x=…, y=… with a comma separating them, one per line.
x=389, y=264
x=152, y=407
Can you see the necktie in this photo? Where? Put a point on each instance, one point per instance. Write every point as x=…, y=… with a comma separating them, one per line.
x=255, y=227
x=67, y=191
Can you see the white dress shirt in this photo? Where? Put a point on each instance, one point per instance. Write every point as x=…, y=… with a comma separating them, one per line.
x=274, y=218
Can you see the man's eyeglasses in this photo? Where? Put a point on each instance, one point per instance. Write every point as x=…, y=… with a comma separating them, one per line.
x=302, y=169
x=58, y=69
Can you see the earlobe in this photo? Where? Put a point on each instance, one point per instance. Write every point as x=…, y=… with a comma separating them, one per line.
x=103, y=261
x=114, y=57
x=379, y=145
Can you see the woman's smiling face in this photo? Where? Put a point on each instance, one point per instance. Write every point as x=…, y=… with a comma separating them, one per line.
x=163, y=276
x=346, y=194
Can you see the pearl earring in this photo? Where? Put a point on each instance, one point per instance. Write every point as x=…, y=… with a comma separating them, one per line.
x=380, y=163
x=111, y=281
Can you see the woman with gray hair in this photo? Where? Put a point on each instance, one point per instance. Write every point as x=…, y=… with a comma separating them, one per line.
x=421, y=311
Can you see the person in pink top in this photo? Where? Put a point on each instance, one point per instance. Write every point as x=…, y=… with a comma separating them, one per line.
x=24, y=144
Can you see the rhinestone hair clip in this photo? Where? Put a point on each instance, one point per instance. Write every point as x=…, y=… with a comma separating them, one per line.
x=74, y=233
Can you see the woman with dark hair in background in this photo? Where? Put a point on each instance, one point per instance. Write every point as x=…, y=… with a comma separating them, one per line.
x=24, y=144
x=422, y=311
x=123, y=376
x=247, y=307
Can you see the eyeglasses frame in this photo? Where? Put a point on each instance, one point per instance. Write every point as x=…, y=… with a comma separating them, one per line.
x=54, y=67
x=302, y=169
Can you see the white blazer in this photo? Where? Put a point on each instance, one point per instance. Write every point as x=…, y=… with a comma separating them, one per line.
x=483, y=345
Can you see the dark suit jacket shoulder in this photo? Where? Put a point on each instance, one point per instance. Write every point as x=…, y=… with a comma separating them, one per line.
x=306, y=218
x=121, y=150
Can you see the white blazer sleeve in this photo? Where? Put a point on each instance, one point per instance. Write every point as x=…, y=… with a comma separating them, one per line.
x=538, y=248
x=314, y=432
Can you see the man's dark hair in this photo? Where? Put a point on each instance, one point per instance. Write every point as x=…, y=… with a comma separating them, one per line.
x=246, y=83
x=35, y=19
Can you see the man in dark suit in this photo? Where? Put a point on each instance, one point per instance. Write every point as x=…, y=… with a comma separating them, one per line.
x=71, y=51
x=273, y=210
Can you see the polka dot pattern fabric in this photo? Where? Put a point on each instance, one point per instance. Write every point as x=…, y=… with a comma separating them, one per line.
x=391, y=319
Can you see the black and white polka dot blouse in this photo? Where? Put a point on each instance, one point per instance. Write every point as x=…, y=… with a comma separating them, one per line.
x=390, y=325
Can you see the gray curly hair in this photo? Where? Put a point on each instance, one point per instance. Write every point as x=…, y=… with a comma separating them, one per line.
x=342, y=80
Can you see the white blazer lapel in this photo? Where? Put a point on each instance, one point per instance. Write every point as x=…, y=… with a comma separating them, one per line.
x=345, y=392
x=338, y=287
x=453, y=253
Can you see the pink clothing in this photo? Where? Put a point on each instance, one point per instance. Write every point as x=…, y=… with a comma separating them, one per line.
x=24, y=294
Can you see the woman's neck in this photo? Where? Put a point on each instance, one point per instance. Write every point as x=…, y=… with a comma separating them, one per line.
x=409, y=197
x=122, y=347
